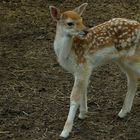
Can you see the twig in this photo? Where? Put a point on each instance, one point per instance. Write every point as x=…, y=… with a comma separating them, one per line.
x=25, y=113
x=118, y=136
x=4, y=132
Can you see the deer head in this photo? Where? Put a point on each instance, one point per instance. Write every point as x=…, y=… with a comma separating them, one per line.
x=70, y=22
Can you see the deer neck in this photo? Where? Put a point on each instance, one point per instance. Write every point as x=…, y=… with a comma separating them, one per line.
x=62, y=45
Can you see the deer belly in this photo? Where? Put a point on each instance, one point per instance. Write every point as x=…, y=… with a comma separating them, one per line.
x=134, y=64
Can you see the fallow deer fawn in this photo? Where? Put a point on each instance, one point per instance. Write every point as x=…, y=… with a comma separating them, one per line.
x=80, y=50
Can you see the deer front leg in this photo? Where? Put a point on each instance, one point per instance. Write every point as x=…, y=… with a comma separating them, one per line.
x=83, y=102
x=132, y=87
x=78, y=90
x=83, y=106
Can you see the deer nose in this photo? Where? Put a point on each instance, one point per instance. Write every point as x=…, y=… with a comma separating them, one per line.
x=85, y=31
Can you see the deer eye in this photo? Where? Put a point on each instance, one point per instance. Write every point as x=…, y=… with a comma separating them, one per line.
x=70, y=24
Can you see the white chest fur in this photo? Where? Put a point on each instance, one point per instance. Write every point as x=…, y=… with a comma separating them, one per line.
x=62, y=47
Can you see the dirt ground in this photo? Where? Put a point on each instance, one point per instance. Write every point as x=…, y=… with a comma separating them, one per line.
x=34, y=89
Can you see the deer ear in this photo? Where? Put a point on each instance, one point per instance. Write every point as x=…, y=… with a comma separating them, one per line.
x=81, y=8
x=55, y=13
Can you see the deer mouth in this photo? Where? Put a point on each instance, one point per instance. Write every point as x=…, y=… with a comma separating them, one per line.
x=83, y=33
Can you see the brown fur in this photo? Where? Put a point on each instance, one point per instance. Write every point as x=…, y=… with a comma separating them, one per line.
x=71, y=14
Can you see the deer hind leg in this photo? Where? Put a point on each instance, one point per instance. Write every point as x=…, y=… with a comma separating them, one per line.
x=77, y=98
x=132, y=87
